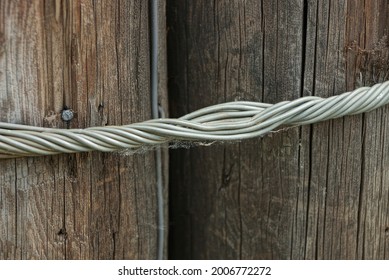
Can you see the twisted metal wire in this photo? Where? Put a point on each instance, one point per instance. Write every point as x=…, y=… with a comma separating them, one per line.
x=223, y=122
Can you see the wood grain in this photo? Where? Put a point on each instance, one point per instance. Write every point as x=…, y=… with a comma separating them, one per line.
x=315, y=192
x=93, y=57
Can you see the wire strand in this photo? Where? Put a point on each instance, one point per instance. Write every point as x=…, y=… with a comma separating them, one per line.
x=222, y=122
x=154, y=109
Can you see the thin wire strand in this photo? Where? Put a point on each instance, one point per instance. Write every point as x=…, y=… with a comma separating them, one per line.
x=222, y=122
x=154, y=109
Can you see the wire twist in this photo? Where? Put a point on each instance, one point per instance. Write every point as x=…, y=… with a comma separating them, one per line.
x=223, y=122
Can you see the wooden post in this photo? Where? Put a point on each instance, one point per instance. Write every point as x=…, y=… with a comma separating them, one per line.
x=94, y=58
x=313, y=192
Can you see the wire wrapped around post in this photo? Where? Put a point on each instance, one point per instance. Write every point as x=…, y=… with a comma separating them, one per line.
x=223, y=122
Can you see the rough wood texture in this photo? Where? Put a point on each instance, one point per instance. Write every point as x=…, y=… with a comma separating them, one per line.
x=315, y=192
x=92, y=56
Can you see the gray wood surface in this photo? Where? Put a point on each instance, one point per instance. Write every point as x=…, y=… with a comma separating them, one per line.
x=314, y=192
x=92, y=56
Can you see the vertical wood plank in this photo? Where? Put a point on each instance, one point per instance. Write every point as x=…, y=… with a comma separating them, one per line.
x=93, y=57
x=315, y=192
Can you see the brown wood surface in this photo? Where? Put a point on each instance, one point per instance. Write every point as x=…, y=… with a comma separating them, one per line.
x=93, y=57
x=314, y=192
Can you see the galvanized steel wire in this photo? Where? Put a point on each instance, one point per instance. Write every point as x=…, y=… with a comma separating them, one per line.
x=154, y=112
x=223, y=122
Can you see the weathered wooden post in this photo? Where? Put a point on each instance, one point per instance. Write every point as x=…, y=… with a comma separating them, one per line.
x=314, y=192
x=94, y=58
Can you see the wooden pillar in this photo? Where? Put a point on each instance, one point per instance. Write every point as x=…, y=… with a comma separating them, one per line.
x=92, y=57
x=314, y=192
